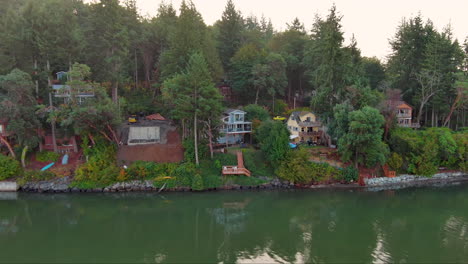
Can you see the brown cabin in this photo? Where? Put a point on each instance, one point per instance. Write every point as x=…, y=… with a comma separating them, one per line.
x=404, y=113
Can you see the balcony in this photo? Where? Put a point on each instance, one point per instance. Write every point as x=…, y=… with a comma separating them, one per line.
x=310, y=124
x=310, y=133
x=237, y=130
x=411, y=125
x=403, y=115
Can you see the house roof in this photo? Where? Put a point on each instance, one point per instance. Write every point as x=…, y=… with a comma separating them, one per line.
x=156, y=116
x=229, y=111
x=296, y=116
x=398, y=104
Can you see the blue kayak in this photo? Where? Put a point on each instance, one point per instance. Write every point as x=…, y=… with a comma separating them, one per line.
x=65, y=159
x=48, y=166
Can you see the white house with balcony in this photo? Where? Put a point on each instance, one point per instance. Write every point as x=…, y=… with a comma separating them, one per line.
x=234, y=127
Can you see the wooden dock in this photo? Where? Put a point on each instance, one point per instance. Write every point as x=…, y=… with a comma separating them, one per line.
x=237, y=170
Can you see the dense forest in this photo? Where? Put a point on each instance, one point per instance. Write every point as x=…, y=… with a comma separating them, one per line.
x=132, y=56
x=174, y=63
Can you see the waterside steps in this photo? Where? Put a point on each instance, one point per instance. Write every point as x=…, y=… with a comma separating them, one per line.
x=237, y=170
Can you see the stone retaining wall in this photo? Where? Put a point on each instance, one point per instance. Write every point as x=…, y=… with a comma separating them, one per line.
x=406, y=179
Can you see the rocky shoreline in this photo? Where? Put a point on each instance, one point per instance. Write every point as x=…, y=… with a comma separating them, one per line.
x=63, y=185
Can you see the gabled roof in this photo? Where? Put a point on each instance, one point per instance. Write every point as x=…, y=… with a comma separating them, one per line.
x=398, y=104
x=229, y=111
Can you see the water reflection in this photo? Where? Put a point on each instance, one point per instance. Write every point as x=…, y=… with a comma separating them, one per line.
x=423, y=225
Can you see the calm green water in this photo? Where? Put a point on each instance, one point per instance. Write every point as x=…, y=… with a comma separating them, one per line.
x=408, y=226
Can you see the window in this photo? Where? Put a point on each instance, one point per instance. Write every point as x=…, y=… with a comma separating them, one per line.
x=1, y=129
x=308, y=119
x=238, y=117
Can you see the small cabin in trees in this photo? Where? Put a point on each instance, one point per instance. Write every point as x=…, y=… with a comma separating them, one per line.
x=304, y=126
x=235, y=127
x=403, y=112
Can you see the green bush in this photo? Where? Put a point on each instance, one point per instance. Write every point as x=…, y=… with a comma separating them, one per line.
x=350, y=174
x=197, y=183
x=35, y=175
x=9, y=167
x=166, y=181
x=101, y=167
x=297, y=168
x=395, y=161
x=47, y=156
x=211, y=181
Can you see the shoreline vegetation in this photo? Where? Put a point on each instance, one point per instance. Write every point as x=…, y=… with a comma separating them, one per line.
x=96, y=80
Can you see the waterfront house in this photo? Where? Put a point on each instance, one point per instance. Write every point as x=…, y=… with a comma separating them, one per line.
x=304, y=126
x=78, y=92
x=151, y=138
x=403, y=112
x=234, y=127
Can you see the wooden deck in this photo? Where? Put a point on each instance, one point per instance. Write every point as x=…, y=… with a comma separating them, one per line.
x=237, y=170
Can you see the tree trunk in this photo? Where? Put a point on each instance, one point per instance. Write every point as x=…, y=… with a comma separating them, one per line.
x=256, y=95
x=136, y=70
x=37, y=82
x=432, y=117
x=10, y=149
x=195, y=137
x=115, y=96
x=454, y=106
x=418, y=119
x=210, y=139
x=48, y=73
x=23, y=156
x=54, y=139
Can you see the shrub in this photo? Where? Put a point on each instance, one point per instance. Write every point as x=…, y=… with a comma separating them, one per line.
x=101, y=168
x=47, y=156
x=197, y=183
x=296, y=167
x=211, y=181
x=350, y=174
x=35, y=175
x=395, y=161
x=9, y=167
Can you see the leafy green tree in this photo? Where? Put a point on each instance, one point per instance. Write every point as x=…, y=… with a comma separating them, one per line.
x=242, y=70
x=274, y=139
x=194, y=96
x=363, y=141
x=18, y=104
x=256, y=112
x=9, y=167
x=296, y=167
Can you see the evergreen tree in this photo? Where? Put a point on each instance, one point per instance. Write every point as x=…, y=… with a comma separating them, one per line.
x=195, y=98
x=326, y=61
x=231, y=29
